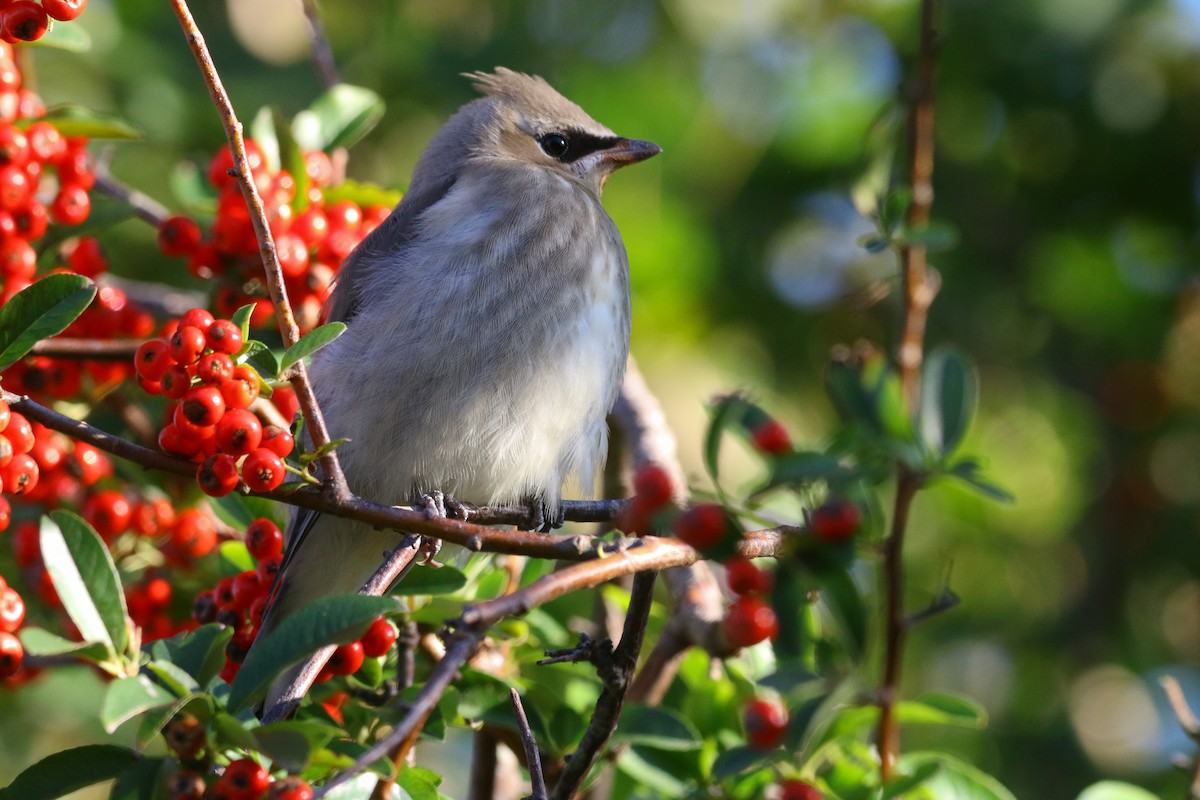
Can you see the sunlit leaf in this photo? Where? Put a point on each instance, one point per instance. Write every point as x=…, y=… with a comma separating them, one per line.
x=1115, y=790
x=340, y=117
x=955, y=778
x=73, y=120
x=310, y=343
x=949, y=392
x=85, y=578
x=43, y=309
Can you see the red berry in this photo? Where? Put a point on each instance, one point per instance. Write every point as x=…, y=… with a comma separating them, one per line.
x=5, y=515
x=185, y=785
x=109, y=512
x=190, y=430
x=224, y=337
x=800, y=790
x=19, y=432
x=218, y=475
x=772, y=438
x=766, y=723
x=835, y=521
x=290, y=788
x=199, y=318
x=11, y=655
x=293, y=255
x=268, y=568
x=170, y=440
x=84, y=255
x=246, y=589
x=263, y=470
x=153, y=359
x=750, y=621
x=203, y=406
x=653, y=482
x=216, y=368
x=347, y=659
x=379, y=638
x=703, y=526
x=187, y=345
x=242, y=389
x=71, y=205
x=45, y=142
x=636, y=517
x=278, y=440
x=238, y=432
x=745, y=578
x=245, y=779
x=20, y=475
x=6, y=450
x=264, y=539
x=178, y=236
x=12, y=610
x=175, y=382
x=5, y=411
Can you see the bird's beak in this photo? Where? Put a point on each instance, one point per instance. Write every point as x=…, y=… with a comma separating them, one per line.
x=630, y=151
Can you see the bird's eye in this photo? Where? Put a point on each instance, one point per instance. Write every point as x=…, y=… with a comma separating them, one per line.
x=554, y=144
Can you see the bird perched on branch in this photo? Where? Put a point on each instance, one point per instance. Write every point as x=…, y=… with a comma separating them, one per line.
x=487, y=328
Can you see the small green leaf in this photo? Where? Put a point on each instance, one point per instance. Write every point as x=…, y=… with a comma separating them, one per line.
x=189, y=183
x=366, y=195
x=199, y=653
x=140, y=781
x=310, y=343
x=125, y=698
x=661, y=782
x=937, y=236
x=153, y=720
x=239, y=510
x=66, y=771
x=839, y=591
x=73, y=120
x=329, y=620
x=735, y=761
x=319, y=453
x=724, y=412
x=86, y=579
x=853, y=402
x=949, y=391
x=174, y=678
x=903, y=784
x=804, y=467
x=419, y=783
x=39, y=642
x=341, y=116
x=1115, y=790
x=431, y=580
x=235, y=558
x=657, y=727
x=241, y=318
x=259, y=356
x=937, y=708
x=43, y=309
x=287, y=747
x=262, y=132
x=955, y=778
x=968, y=472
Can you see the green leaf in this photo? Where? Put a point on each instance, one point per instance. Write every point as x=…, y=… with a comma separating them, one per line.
x=853, y=402
x=937, y=708
x=140, y=781
x=59, y=36
x=174, y=678
x=241, y=318
x=968, y=472
x=661, y=782
x=64, y=772
x=955, y=778
x=287, y=747
x=128, y=697
x=902, y=784
x=949, y=392
x=199, y=653
x=73, y=120
x=735, y=761
x=239, y=510
x=1115, y=790
x=85, y=578
x=420, y=783
x=341, y=116
x=657, y=727
x=366, y=195
x=431, y=580
x=39, y=642
x=937, y=236
x=259, y=356
x=329, y=620
x=724, y=412
x=310, y=343
x=189, y=183
x=262, y=131
x=41, y=310
x=232, y=732
x=235, y=558
x=841, y=594
x=804, y=467
x=357, y=788
x=155, y=719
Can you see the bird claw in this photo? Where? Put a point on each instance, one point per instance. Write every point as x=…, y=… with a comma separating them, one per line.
x=540, y=519
x=439, y=505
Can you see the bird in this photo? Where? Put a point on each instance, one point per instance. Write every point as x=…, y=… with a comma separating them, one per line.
x=487, y=331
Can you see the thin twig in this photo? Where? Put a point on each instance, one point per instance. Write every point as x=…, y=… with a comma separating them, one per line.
x=322, y=53
x=88, y=349
x=144, y=206
x=334, y=479
x=918, y=295
x=616, y=682
x=482, y=783
x=1188, y=722
x=533, y=757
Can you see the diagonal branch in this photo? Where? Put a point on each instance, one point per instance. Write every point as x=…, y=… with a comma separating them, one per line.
x=533, y=757
x=334, y=480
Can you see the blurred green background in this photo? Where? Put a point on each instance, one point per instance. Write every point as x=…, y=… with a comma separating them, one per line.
x=1067, y=163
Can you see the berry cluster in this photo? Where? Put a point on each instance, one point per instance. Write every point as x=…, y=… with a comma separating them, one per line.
x=19, y=472
x=212, y=422
x=312, y=236
x=28, y=21
x=241, y=779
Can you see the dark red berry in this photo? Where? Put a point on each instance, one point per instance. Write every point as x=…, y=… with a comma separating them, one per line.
x=245, y=779
x=836, y=520
x=347, y=659
x=703, y=526
x=264, y=539
x=290, y=787
x=178, y=236
x=745, y=578
x=750, y=620
x=11, y=655
x=653, y=482
x=224, y=337
x=766, y=723
x=379, y=638
x=799, y=790
x=772, y=438
x=218, y=475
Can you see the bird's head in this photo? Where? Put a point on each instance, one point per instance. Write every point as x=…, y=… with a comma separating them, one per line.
x=521, y=117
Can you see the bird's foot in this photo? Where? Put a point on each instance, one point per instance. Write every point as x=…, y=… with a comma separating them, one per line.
x=540, y=516
x=438, y=505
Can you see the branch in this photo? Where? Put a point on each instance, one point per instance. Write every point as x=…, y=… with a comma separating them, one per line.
x=1187, y=721
x=90, y=349
x=145, y=207
x=467, y=632
x=616, y=674
x=918, y=295
x=334, y=480
x=533, y=756
x=322, y=53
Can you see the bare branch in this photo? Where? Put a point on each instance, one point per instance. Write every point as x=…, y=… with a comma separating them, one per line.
x=144, y=206
x=533, y=757
x=89, y=349
x=322, y=53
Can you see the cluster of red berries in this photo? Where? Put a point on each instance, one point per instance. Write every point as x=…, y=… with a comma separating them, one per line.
x=242, y=779
x=12, y=616
x=212, y=422
x=19, y=472
x=28, y=21
x=312, y=236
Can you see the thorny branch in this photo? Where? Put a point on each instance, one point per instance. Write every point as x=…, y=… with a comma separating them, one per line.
x=335, y=481
x=919, y=289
